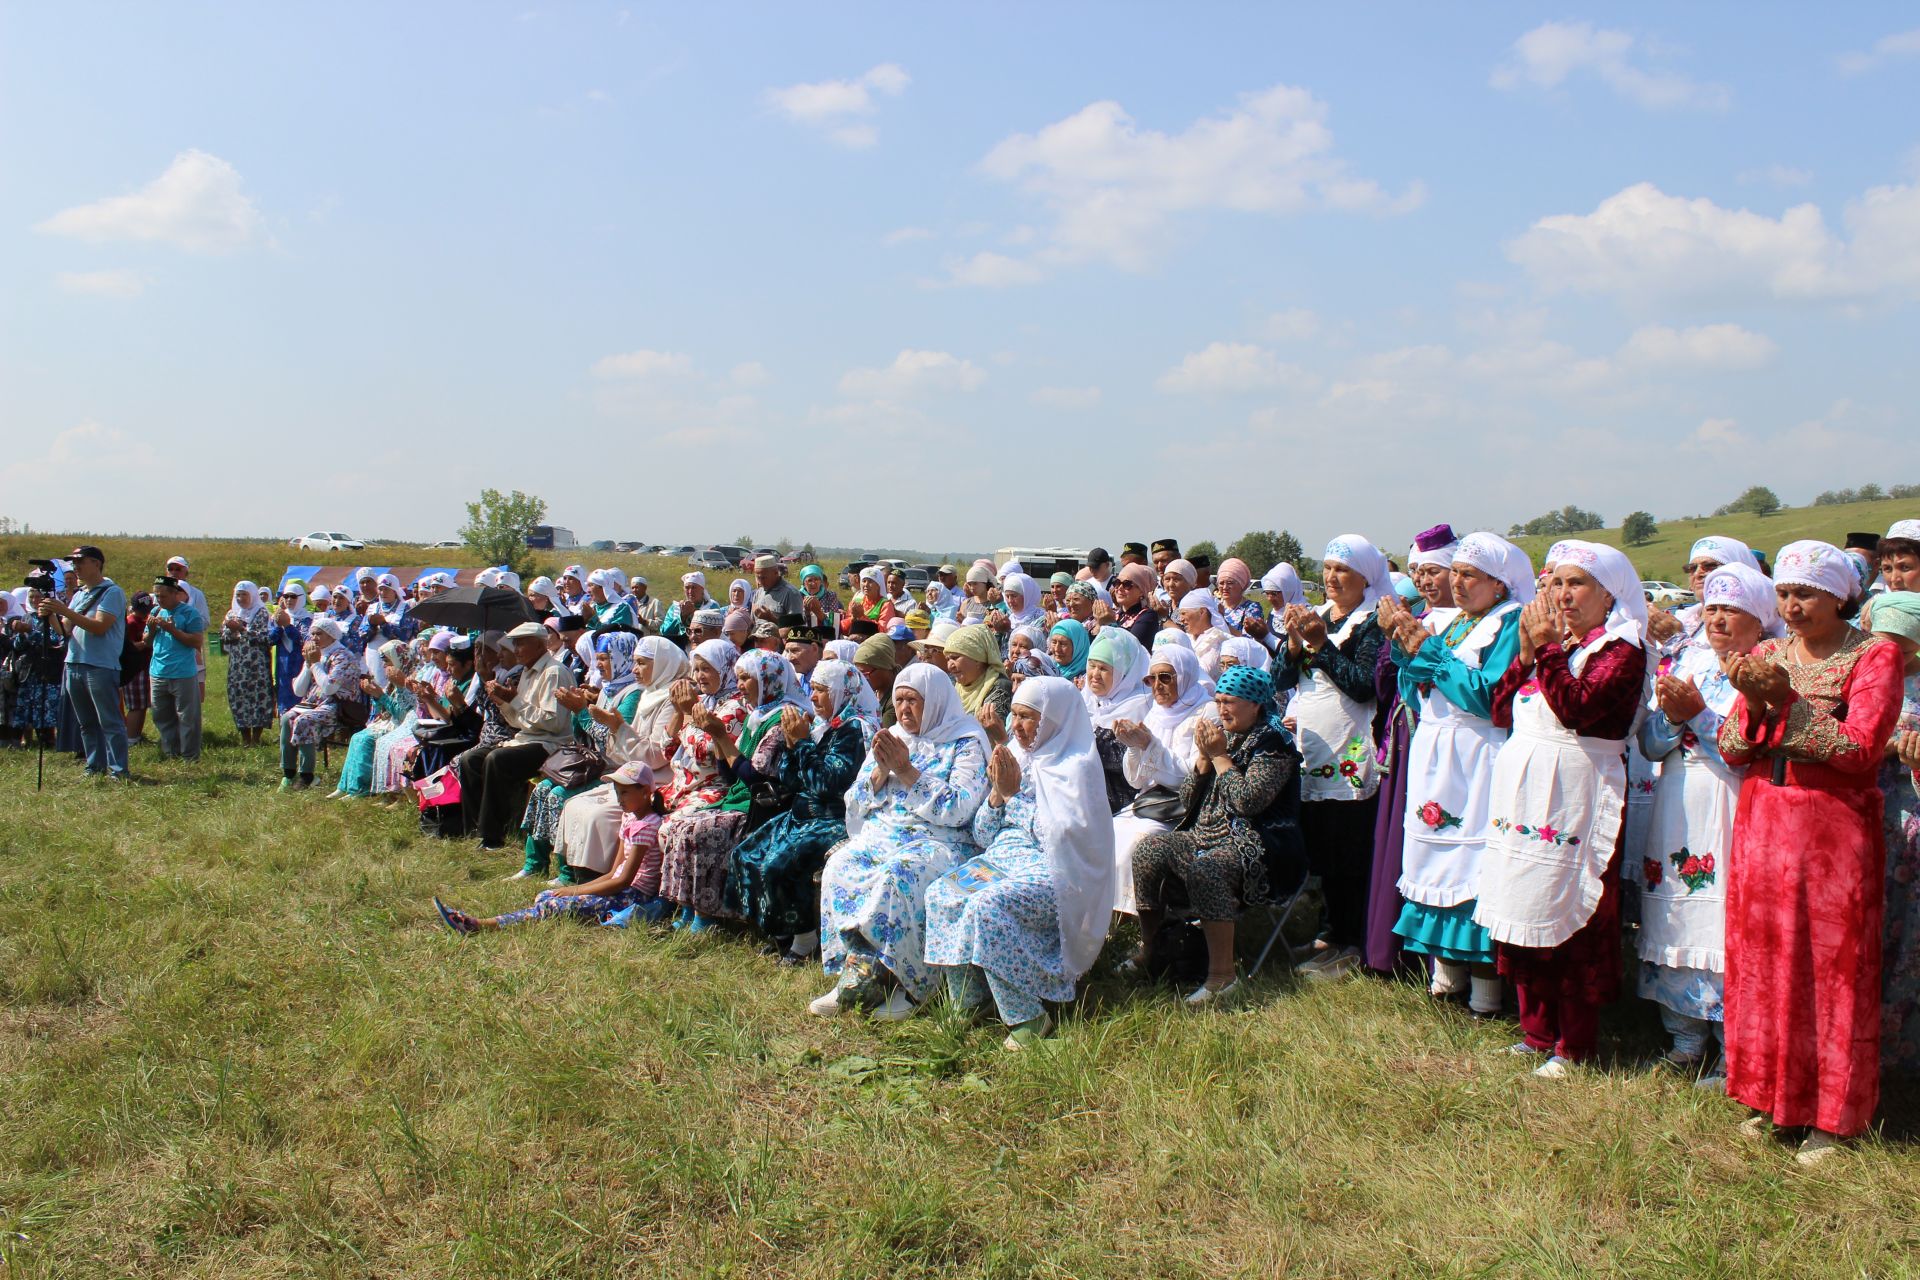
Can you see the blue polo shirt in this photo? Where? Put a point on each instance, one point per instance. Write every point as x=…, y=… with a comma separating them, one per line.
x=86, y=650
x=171, y=659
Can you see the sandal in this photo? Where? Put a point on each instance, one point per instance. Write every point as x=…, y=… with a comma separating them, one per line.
x=458, y=921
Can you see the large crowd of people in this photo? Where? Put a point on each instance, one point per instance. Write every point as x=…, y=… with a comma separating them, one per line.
x=1490, y=774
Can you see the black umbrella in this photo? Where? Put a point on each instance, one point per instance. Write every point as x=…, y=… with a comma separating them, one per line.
x=476, y=609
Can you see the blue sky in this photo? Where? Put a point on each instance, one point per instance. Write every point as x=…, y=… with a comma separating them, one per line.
x=954, y=276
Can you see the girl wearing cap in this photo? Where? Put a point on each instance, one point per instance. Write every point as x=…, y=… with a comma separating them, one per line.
x=770, y=878
x=1330, y=656
x=1896, y=618
x=1448, y=664
x=633, y=882
x=1683, y=872
x=1029, y=912
x=1238, y=839
x=287, y=633
x=246, y=637
x=909, y=821
x=1806, y=893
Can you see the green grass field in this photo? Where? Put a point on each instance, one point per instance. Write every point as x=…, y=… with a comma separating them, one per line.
x=1665, y=556
x=234, y=1041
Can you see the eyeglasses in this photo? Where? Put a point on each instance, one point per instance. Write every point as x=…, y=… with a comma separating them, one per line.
x=1166, y=677
x=1701, y=566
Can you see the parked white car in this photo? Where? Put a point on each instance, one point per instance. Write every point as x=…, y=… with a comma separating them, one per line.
x=328, y=542
x=1667, y=595
x=446, y=544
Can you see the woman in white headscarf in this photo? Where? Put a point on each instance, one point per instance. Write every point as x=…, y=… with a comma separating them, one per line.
x=328, y=682
x=246, y=639
x=770, y=880
x=607, y=608
x=697, y=841
x=588, y=833
x=1115, y=690
x=572, y=587
x=1448, y=663
x=1549, y=891
x=909, y=821
x=1683, y=914
x=1330, y=656
x=1200, y=618
x=1030, y=911
x=1159, y=756
x=1710, y=551
x=545, y=599
x=1807, y=874
x=390, y=617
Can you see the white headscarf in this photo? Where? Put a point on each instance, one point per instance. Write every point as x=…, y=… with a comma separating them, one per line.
x=1171, y=638
x=1442, y=556
x=746, y=589
x=1076, y=826
x=543, y=586
x=1129, y=700
x=329, y=626
x=1500, y=560
x=1207, y=601
x=669, y=664
x=1282, y=585
x=1609, y=567
x=1247, y=652
x=842, y=650
x=1724, y=551
x=1193, y=694
x=1812, y=563
x=254, y=606
x=1746, y=589
x=1361, y=556
x=1029, y=590
x=942, y=718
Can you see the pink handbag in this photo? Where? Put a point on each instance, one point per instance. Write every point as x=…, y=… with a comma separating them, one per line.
x=442, y=786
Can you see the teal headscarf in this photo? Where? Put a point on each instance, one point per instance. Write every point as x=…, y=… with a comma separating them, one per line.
x=1076, y=664
x=1897, y=613
x=1252, y=685
x=813, y=571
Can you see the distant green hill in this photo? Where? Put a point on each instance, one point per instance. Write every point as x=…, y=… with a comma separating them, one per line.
x=1666, y=554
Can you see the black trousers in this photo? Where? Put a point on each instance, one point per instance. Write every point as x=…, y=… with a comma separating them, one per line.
x=1339, y=839
x=493, y=787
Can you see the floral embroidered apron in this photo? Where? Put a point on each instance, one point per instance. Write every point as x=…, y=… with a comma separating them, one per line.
x=1554, y=806
x=1335, y=732
x=1682, y=871
x=1448, y=761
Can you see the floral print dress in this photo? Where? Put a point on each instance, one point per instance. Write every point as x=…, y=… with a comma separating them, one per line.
x=250, y=693
x=996, y=914
x=700, y=782
x=1900, y=976
x=873, y=891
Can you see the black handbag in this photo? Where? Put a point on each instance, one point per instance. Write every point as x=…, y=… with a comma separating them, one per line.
x=1160, y=804
x=574, y=766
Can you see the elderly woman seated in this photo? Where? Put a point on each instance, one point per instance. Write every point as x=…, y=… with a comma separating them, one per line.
x=633, y=882
x=594, y=716
x=1030, y=911
x=329, y=688
x=972, y=658
x=909, y=821
x=1115, y=690
x=771, y=879
x=1238, y=841
x=1159, y=757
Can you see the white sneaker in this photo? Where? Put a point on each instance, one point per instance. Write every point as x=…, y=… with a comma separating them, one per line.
x=1820, y=1145
x=555, y=883
x=1205, y=995
x=1320, y=956
x=522, y=874
x=1521, y=1049
x=1338, y=965
x=827, y=1005
x=1554, y=1068
x=897, y=1007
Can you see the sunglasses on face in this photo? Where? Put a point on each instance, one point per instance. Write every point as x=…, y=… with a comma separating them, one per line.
x=1702, y=566
x=1163, y=678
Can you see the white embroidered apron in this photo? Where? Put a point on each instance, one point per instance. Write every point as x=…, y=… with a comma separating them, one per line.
x=1335, y=733
x=1448, y=762
x=1554, y=813
x=1682, y=872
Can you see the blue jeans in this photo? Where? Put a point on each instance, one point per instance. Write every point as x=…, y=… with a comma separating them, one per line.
x=94, y=694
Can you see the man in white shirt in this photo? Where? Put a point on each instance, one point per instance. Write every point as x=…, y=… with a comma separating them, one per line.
x=493, y=780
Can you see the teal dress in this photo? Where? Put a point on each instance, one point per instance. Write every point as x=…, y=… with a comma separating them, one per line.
x=770, y=879
x=388, y=710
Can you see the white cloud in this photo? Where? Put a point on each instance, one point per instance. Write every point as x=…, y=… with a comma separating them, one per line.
x=1901, y=44
x=990, y=270
x=1072, y=398
x=1113, y=187
x=196, y=204
x=750, y=373
x=839, y=107
x=914, y=373
x=1546, y=56
x=88, y=445
x=905, y=235
x=1776, y=175
x=1294, y=325
x=1229, y=367
x=102, y=284
x=1718, y=435
x=1708, y=347
x=643, y=364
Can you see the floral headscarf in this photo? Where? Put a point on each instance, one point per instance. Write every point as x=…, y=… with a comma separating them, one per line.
x=779, y=686
x=719, y=655
x=619, y=646
x=851, y=697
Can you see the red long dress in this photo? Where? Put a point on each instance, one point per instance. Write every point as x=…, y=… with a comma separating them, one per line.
x=1806, y=888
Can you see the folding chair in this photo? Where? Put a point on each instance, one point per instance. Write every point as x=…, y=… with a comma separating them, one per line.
x=1282, y=909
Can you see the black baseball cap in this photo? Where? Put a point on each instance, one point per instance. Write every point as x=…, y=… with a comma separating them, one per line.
x=88, y=552
x=1098, y=556
x=170, y=583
